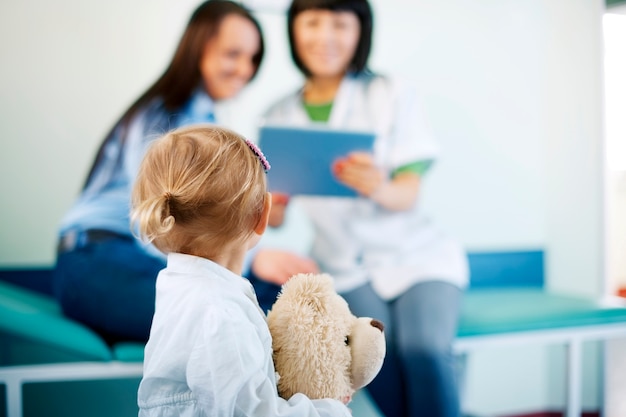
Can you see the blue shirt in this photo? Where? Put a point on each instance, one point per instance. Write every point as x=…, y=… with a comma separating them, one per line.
x=105, y=202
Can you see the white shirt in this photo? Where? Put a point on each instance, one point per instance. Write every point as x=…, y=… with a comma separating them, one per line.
x=356, y=240
x=210, y=350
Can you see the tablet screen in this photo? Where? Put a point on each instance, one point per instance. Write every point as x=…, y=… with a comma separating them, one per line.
x=302, y=158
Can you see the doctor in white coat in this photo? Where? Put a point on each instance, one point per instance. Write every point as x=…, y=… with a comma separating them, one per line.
x=389, y=261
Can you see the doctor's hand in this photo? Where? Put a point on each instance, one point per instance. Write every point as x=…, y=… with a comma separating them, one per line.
x=359, y=172
x=277, y=212
x=277, y=266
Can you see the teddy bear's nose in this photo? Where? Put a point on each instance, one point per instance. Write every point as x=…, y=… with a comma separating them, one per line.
x=378, y=324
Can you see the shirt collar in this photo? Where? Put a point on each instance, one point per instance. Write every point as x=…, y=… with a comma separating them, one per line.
x=200, y=108
x=190, y=264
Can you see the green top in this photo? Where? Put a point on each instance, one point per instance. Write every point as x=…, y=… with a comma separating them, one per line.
x=419, y=167
x=318, y=112
x=321, y=113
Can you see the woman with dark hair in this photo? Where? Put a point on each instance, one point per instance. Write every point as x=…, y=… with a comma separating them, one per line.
x=104, y=276
x=388, y=260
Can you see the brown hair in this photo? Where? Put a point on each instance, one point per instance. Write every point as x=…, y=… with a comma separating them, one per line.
x=198, y=188
x=182, y=76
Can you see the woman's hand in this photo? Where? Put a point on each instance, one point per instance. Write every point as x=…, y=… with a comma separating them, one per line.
x=359, y=172
x=277, y=212
x=277, y=266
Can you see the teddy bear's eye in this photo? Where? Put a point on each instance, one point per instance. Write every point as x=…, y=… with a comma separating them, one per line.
x=347, y=340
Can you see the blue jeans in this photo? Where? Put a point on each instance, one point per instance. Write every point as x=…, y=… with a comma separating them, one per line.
x=266, y=292
x=110, y=287
x=418, y=377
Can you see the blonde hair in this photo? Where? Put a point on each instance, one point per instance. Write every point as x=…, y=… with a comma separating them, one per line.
x=198, y=187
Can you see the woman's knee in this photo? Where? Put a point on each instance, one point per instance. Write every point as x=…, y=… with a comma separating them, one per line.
x=426, y=316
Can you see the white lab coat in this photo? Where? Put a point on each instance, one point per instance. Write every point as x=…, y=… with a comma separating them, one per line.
x=356, y=240
x=210, y=350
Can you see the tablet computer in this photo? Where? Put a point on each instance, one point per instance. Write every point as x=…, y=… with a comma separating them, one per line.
x=302, y=158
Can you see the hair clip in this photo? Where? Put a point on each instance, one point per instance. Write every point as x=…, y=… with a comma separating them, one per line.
x=259, y=154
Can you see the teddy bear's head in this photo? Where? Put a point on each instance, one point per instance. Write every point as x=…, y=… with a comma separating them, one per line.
x=320, y=348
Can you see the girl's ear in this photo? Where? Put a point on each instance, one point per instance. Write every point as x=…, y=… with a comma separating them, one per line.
x=265, y=215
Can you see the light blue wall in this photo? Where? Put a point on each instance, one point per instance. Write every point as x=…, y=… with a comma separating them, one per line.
x=512, y=88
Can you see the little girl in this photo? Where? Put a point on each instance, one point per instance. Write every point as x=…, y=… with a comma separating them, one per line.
x=201, y=198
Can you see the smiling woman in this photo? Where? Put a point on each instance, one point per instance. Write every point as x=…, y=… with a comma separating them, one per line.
x=325, y=40
x=388, y=259
x=225, y=65
x=105, y=277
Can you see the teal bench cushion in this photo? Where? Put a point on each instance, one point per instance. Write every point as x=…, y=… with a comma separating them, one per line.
x=13, y=295
x=128, y=352
x=506, y=296
x=33, y=330
x=494, y=311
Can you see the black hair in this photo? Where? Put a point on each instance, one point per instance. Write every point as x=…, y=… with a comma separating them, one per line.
x=363, y=12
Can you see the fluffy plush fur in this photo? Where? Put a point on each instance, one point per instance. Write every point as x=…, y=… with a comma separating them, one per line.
x=320, y=348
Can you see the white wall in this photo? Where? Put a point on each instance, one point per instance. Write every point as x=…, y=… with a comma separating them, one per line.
x=571, y=107
x=615, y=105
x=497, y=79
x=69, y=68
x=512, y=88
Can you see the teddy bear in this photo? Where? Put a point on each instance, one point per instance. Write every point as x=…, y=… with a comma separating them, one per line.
x=320, y=348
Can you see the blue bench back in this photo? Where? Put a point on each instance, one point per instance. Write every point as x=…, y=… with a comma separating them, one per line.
x=523, y=268
x=506, y=269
